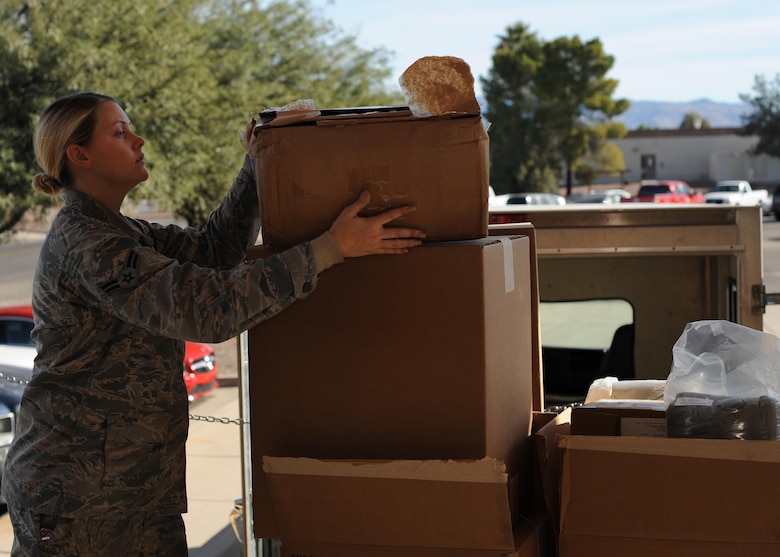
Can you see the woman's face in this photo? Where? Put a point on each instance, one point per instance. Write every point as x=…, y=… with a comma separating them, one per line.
x=115, y=151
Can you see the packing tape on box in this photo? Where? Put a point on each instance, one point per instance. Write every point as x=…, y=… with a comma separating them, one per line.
x=509, y=265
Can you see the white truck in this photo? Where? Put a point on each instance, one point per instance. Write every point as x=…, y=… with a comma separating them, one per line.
x=739, y=193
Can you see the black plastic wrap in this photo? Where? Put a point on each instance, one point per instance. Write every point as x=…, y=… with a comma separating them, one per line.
x=705, y=416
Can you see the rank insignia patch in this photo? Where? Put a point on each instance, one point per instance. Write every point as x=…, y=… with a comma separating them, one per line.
x=128, y=276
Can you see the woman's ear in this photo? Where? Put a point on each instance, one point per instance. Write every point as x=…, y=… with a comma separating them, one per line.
x=78, y=156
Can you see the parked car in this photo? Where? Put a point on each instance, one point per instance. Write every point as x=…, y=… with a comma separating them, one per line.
x=739, y=193
x=200, y=365
x=666, y=191
x=527, y=198
x=603, y=196
x=623, y=194
x=16, y=363
x=776, y=203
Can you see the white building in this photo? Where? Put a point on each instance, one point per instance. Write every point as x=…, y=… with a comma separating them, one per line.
x=700, y=157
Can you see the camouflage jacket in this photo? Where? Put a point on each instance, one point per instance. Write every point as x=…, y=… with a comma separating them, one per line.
x=103, y=422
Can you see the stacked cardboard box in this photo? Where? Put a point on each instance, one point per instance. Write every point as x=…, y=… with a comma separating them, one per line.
x=648, y=496
x=391, y=410
x=311, y=167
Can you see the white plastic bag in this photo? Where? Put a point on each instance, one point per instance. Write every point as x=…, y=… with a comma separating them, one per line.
x=722, y=358
x=724, y=383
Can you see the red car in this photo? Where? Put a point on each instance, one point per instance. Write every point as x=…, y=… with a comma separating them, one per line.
x=200, y=366
x=666, y=191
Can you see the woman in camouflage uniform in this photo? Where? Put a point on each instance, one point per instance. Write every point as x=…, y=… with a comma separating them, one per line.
x=98, y=464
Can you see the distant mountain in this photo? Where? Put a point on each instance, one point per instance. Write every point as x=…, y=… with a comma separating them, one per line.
x=668, y=115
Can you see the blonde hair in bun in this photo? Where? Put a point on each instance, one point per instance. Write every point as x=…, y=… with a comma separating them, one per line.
x=67, y=121
x=47, y=184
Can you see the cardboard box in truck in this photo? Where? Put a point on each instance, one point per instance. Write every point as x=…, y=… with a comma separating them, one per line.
x=638, y=418
x=308, y=171
x=649, y=496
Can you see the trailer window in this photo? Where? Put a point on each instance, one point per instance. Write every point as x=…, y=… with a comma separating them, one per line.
x=583, y=340
x=583, y=323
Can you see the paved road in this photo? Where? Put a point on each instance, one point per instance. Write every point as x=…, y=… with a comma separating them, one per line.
x=771, y=247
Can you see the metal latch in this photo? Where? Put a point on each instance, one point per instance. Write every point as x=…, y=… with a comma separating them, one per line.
x=761, y=299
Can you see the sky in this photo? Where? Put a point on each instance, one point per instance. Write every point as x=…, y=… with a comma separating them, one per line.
x=664, y=50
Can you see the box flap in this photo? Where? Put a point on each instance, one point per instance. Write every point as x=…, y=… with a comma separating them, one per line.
x=275, y=117
x=486, y=470
x=549, y=461
x=342, y=116
x=456, y=504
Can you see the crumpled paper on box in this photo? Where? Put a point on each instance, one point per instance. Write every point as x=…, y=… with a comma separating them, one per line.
x=438, y=85
x=296, y=111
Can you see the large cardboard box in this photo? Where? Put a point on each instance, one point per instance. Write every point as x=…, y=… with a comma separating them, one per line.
x=308, y=171
x=647, y=496
x=439, y=508
x=530, y=540
x=421, y=357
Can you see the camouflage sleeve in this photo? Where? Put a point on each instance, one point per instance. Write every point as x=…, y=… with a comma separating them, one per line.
x=182, y=300
x=221, y=242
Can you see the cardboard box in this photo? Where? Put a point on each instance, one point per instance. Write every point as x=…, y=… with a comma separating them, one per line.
x=308, y=171
x=530, y=540
x=548, y=467
x=638, y=418
x=425, y=356
x=673, y=497
x=396, y=503
x=526, y=228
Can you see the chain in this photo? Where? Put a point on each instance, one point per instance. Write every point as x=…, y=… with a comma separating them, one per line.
x=12, y=379
x=194, y=417
x=557, y=409
x=213, y=420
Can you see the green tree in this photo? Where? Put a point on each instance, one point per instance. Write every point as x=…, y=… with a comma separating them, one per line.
x=694, y=121
x=602, y=156
x=518, y=148
x=764, y=121
x=24, y=86
x=543, y=97
x=280, y=53
x=188, y=74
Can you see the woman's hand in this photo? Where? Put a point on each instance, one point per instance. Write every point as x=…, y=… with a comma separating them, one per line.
x=247, y=136
x=357, y=236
